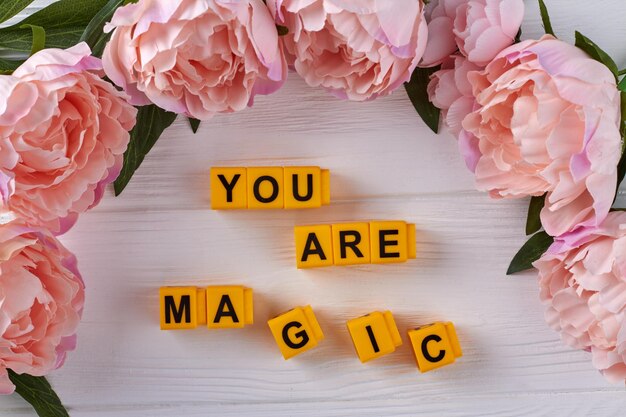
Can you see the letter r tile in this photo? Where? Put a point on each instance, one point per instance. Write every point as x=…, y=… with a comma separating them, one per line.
x=351, y=243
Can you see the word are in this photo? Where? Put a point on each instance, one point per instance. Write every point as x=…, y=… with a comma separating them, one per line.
x=297, y=330
x=216, y=306
x=269, y=188
x=376, y=242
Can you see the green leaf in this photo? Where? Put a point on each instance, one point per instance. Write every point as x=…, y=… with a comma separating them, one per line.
x=621, y=170
x=94, y=32
x=532, y=250
x=36, y=390
x=7, y=66
x=64, y=21
x=545, y=18
x=518, y=37
x=623, y=120
x=533, y=222
x=195, y=124
x=416, y=88
x=39, y=38
x=9, y=8
x=151, y=122
x=622, y=85
x=596, y=52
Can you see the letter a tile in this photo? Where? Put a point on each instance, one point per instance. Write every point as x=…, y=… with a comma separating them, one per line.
x=228, y=306
x=314, y=246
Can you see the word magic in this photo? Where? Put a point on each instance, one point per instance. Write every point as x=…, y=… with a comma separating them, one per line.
x=297, y=330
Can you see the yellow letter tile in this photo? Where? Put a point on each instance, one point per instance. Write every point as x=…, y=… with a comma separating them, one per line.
x=435, y=345
x=181, y=307
x=325, y=187
x=304, y=187
x=296, y=331
x=392, y=241
x=351, y=243
x=228, y=306
x=314, y=246
x=265, y=188
x=228, y=188
x=374, y=335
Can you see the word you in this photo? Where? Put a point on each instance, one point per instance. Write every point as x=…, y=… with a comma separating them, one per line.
x=377, y=242
x=297, y=330
x=269, y=188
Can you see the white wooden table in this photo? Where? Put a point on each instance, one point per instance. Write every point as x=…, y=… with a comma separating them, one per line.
x=385, y=163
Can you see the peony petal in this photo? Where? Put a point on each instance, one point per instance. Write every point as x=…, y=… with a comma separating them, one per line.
x=441, y=42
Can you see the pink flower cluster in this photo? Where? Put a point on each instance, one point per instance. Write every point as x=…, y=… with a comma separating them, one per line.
x=477, y=29
x=63, y=133
x=41, y=301
x=584, y=289
x=534, y=118
x=202, y=57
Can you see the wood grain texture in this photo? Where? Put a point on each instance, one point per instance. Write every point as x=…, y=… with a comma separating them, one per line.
x=385, y=163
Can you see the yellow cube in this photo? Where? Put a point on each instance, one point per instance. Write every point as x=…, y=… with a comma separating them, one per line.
x=296, y=331
x=325, y=187
x=228, y=307
x=351, y=243
x=229, y=188
x=265, y=188
x=314, y=246
x=435, y=345
x=181, y=307
x=306, y=187
x=374, y=335
x=392, y=241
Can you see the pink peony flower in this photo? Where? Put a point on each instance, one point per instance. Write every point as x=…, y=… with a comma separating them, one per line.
x=64, y=131
x=195, y=57
x=450, y=90
x=547, y=120
x=584, y=290
x=480, y=29
x=41, y=301
x=358, y=49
